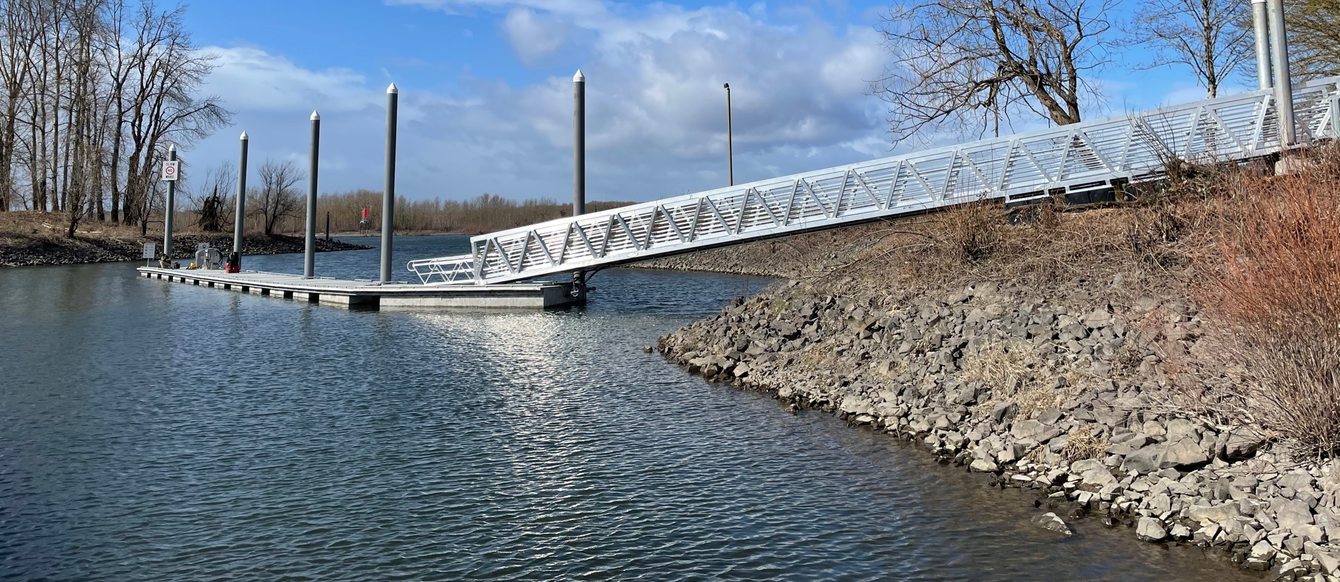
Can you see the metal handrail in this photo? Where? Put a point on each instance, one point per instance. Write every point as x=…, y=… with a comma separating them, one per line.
x=1077, y=157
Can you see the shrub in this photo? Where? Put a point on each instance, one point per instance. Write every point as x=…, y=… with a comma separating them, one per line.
x=1276, y=292
x=972, y=232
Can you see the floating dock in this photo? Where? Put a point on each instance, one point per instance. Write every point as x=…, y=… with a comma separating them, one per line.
x=358, y=294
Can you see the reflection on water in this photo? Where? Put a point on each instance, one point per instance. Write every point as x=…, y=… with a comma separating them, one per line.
x=158, y=431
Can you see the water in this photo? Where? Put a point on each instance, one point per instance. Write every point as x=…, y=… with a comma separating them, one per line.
x=158, y=431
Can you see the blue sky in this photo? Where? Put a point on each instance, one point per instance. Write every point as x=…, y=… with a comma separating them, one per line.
x=486, y=90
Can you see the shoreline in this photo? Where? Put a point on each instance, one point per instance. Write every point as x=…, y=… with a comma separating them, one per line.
x=1070, y=391
x=35, y=251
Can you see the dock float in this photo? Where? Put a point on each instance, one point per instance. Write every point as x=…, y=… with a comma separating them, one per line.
x=359, y=294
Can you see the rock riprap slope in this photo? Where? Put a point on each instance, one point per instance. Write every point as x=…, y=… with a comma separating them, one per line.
x=1072, y=392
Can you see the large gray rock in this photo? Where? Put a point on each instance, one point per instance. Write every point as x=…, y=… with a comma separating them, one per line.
x=1221, y=515
x=1183, y=454
x=1150, y=529
x=1291, y=513
x=1028, y=429
x=1296, y=480
x=1238, y=445
x=1051, y=522
x=1258, y=558
x=1093, y=472
x=1144, y=459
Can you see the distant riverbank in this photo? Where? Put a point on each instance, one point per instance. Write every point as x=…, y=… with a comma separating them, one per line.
x=28, y=239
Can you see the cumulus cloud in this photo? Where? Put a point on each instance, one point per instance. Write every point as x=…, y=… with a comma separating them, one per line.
x=532, y=36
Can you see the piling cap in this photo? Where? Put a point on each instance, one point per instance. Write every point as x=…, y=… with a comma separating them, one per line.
x=316, y=116
x=579, y=77
x=392, y=90
x=244, y=136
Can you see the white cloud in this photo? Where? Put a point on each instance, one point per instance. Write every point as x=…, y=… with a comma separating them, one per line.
x=656, y=107
x=532, y=36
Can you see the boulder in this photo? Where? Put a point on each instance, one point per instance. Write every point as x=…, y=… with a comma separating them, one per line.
x=1093, y=472
x=1258, y=558
x=1051, y=522
x=1220, y=515
x=1291, y=513
x=1150, y=529
x=1028, y=429
x=1184, y=454
x=1238, y=446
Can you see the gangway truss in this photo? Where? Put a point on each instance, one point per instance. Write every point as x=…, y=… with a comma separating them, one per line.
x=1073, y=158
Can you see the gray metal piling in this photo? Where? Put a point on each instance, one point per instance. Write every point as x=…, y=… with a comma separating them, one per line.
x=240, y=214
x=730, y=140
x=1280, y=65
x=579, y=157
x=1261, y=27
x=388, y=195
x=309, y=247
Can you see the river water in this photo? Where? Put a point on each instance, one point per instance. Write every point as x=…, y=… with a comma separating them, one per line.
x=168, y=432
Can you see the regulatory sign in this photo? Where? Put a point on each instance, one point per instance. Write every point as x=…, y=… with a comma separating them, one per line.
x=170, y=170
x=150, y=251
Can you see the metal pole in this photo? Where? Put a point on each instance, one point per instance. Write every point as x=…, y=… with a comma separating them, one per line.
x=1261, y=26
x=171, y=205
x=730, y=139
x=1280, y=65
x=579, y=144
x=579, y=156
x=327, y=225
x=309, y=248
x=388, y=195
x=240, y=214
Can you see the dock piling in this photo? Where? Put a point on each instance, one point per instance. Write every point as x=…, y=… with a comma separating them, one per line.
x=309, y=246
x=388, y=195
x=239, y=216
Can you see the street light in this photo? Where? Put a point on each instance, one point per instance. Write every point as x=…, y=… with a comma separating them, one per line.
x=730, y=143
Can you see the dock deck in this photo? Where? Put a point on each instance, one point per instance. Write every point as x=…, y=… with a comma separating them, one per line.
x=352, y=293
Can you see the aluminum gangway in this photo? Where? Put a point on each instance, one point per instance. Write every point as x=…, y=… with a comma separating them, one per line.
x=1073, y=158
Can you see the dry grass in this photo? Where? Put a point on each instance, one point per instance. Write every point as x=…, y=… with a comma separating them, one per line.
x=1083, y=443
x=1007, y=366
x=1015, y=373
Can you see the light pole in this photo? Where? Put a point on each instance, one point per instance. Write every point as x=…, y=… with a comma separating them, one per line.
x=730, y=140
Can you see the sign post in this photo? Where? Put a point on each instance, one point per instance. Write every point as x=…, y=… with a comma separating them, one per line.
x=170, y=175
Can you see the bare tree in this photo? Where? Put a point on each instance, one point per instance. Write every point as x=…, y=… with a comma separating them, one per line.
x=1210, y=37
x=16, y=32
x=972, y=63
x=214, y=202
x=166, y=71
x=278, y=195
x=1314, y=37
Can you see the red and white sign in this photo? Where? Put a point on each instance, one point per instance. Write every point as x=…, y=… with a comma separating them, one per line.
x=170, y=170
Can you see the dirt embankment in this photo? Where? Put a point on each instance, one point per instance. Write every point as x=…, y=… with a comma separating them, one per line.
x=1097, y=356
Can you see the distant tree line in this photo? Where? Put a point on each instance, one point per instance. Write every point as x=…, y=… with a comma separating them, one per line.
x=484, y=213
x=92, y=93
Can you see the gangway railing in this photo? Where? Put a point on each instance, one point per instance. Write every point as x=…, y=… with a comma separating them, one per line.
x=1073, y=158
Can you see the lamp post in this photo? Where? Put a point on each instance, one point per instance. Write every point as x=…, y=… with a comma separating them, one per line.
x=730, y=140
